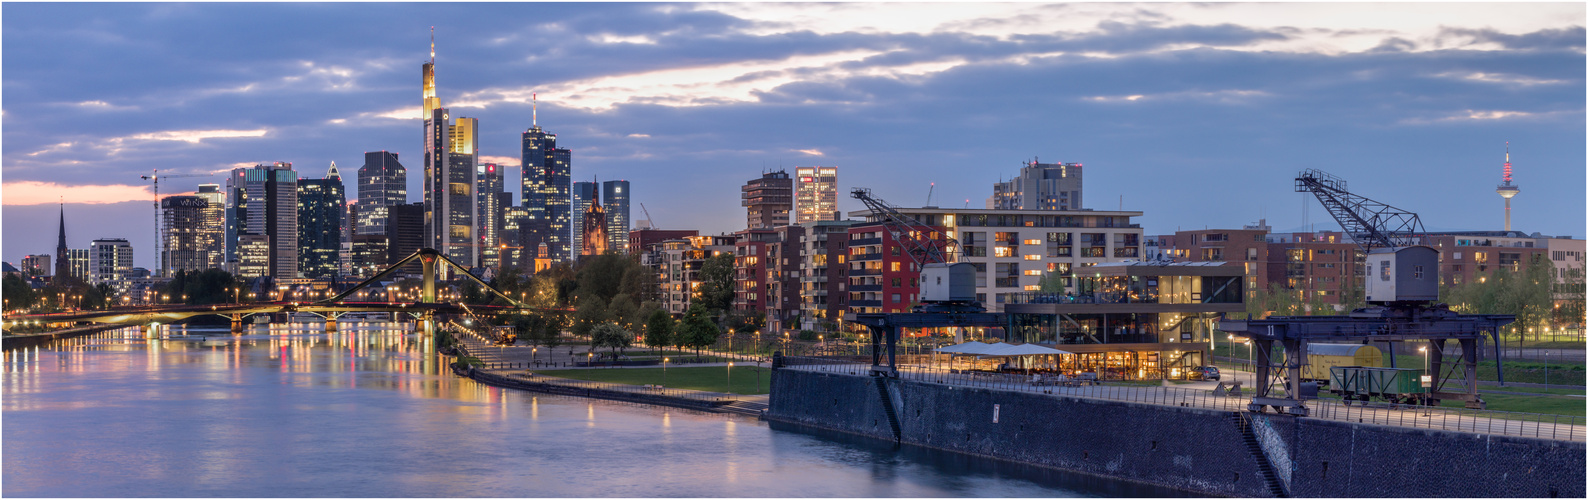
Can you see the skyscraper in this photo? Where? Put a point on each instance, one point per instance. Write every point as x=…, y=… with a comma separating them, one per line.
x=1040, y=186
x=584, y=194
x=405, y=232
x=816, y=195
x=449, y=174
x=769, y=198
x=212, y=232
x=489, y=201
x=616, y=206
x=321, y=205
x=547, y=178
x=264, y=203
x=593, y=228
x=382, y=182
x=183, y=233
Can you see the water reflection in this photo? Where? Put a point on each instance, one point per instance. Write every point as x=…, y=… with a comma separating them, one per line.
x=367, y=411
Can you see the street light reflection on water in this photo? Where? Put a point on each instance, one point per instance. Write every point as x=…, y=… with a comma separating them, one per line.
x=370, y=411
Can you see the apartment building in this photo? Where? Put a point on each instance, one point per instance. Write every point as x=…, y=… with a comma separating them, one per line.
x=679, y=267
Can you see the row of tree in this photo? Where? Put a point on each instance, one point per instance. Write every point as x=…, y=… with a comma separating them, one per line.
x=62, y=293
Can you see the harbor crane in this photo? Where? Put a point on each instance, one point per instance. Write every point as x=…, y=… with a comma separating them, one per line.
x=1400, y=284
x=915, y=237
x=155, y=179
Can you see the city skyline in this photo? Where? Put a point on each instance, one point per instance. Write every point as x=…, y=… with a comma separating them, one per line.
x=1169, y=105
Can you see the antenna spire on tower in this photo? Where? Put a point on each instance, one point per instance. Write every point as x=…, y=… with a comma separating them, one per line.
x=432, y=45
x=1507, y=178
x=534, y=109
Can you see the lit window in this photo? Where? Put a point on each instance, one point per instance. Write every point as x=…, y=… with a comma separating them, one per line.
x=894, y=267
x=1003, y=252
x=1033, y=242
x=1032, y=257
x=1033, y=288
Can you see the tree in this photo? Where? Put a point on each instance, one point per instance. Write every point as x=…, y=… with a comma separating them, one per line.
x=659, y=329
x=610, y=335
x=1570, y=288
x=623, y=311
x=211, y=286
x=697, y=330
x=18, y=294
x=592, y=312
x=716, y=283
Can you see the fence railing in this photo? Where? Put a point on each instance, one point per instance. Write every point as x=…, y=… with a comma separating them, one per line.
x=701, y=396
x=1559, y=427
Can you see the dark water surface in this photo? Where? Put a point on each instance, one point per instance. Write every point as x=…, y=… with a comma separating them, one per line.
x=366, y=413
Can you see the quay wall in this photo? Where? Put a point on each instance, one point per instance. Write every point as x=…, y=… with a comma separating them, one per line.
x=42, y=339
x=1192, y=449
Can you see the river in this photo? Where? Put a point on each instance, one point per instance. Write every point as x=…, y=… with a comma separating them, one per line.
x=364, y=412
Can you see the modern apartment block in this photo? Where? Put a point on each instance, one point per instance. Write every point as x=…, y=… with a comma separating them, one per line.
x=36, y=265
x=883, y=276
x=615, y=201
x=680, y=264
x=754, y=269
x=1247, y=247
x=382, y=182
x=815, y=194
x=322, y=205
x=1014, y=250
x=110, y=261
x=1040, y=186
x=768, y=200
x=1320, y=266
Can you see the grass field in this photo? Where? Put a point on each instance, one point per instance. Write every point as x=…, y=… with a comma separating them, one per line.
x=746, y=379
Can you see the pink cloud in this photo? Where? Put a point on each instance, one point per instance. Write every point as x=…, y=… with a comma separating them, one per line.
x=42, y=193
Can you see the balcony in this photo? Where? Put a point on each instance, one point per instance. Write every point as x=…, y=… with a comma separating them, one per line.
x=865, y=303
x=865, y=257
x=865, y=272
x=865, y=241
x=865, y=288
x=816, y=278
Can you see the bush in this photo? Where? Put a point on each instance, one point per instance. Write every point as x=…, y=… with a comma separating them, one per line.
x=807, y=335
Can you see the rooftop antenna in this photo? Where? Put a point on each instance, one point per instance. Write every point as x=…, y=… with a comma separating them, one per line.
x=432, y=45
x=534, y=109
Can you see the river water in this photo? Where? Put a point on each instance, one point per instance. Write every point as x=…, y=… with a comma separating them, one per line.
x=364, y=412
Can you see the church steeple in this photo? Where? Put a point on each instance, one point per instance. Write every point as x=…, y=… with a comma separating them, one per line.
x=63, y=264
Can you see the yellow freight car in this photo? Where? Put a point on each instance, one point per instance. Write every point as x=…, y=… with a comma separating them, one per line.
x=1321, y=357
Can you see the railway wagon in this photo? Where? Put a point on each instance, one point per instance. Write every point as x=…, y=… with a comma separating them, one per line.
x=1395, y=385
x=1323, y=357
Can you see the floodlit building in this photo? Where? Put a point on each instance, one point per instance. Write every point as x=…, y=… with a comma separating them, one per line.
x=110, y=261
x=183, y=231
x=449, y=175
x=382, y=182
x=616, y=195
x=816, y=194
x=547, y=184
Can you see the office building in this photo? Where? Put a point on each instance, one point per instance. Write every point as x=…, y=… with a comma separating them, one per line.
x=768, y=200
x=253, y=256
x=1040, y=186
x=816, y=194
x=78, y=263
x=382, y=182
x=110, y=261
x=212, y=232
x=184, y=226
x=263, y=201
x=547, y=186
x=615, y=196
x=490, y=200
x=405, y=232
x=449, y=175
x=515, y=221
x=321, y=206
x=36, y=265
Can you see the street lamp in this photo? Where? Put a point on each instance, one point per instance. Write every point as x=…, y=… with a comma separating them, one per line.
x=730, y=377
x=664, y=372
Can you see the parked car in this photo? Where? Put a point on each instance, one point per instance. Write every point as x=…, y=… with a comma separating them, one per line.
x=1205, y=373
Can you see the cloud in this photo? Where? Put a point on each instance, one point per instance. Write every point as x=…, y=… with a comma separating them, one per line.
x=191, y=136
x=39, y=193
x=506, y=161
x=812, y=152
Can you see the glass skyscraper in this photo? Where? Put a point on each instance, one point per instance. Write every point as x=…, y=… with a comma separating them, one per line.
x=321, y=205
x=547, y=178
x=615, y=200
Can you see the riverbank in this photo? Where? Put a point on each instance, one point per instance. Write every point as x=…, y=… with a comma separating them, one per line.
x=27, y=340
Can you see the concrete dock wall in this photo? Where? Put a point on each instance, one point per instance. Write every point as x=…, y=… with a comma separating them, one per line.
x=1191, y=449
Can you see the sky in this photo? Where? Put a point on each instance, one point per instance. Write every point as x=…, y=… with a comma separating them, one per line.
x=1199, y=115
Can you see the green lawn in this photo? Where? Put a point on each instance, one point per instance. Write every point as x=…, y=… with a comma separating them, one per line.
x=746, y=379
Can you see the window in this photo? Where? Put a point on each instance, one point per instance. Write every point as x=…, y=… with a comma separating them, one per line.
x=1417, y=272
x=895, y=298
x=1251, y=253
x=894, y=266
x=1032, y=257
x=895, y=250
x=1384, y=271
x=1033, y=242
x=1216, y=237
x=1003, y=252
x=898, y=282
x=1213, y=254
x=1033, y=272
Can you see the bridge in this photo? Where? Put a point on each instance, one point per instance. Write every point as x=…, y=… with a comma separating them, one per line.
x=425, y=309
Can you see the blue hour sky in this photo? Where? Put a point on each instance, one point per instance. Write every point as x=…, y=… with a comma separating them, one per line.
x=1198, y=115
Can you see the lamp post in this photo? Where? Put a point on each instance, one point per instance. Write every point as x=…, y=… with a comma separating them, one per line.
x=664, y=372
x=730, y=377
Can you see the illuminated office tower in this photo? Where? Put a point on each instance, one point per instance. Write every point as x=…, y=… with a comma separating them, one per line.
x=815, y=194
x=449, y=175
x=382, y=182
x=263, y=202
x=547, y=179
x=616, y=204
x=110, y=261
x=322, y=203
x=183, y=233
x=584, y=193
x=489, y=201
x=212, y=233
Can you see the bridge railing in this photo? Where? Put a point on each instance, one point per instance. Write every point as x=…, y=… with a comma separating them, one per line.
x=1535, y=425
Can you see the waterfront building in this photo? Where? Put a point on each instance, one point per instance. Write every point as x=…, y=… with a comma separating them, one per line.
x=183, y=231
x=680, y=265
x=1132, y=320
x=785, y=259
x=264, y=202
x=489, y=201
x=382, y=182
x=754, y=269
x=36, y=265
x=212, y=231
x=616, y=205
x=1323, y=266
x=768, y=200
x=449, y=175
x=883, y=276
x=321, y=205
x=647, y=240
x=370, y=254
x=110, y=261
x=547, y=178
x=816, y=194
x=1247, y=247
x=1018, y=251
x=584, y=193
x=1040, y=186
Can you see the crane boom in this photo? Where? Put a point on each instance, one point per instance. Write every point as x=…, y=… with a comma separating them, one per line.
x=648, y=217
x=910, y=233
x=1370, y=223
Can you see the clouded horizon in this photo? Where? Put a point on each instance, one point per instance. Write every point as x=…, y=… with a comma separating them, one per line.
x=1199, y=115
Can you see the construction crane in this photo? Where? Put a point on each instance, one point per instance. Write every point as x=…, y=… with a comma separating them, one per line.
x=155, y=178
x=911, y=234
x=648, y=217
x=929, y=195
x=1370, y=223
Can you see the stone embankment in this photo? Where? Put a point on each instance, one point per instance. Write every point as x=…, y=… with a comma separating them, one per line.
x=678, y=398
x=40, y=339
